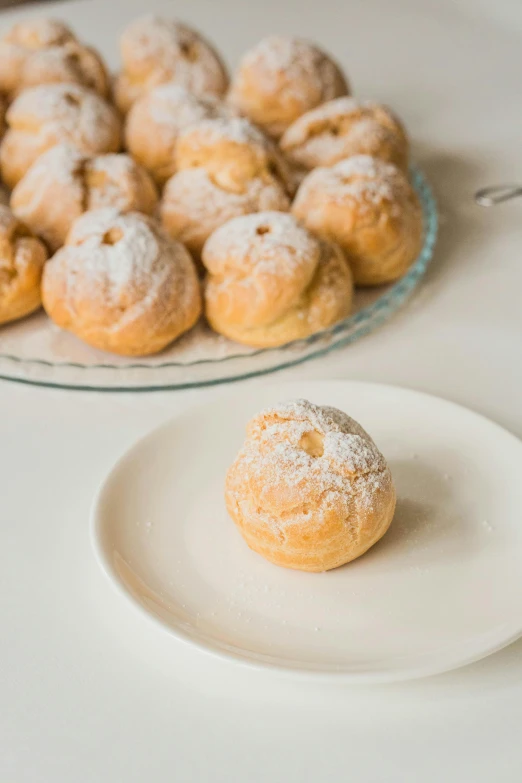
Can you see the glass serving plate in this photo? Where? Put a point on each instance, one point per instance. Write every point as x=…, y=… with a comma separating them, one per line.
x=35, y=351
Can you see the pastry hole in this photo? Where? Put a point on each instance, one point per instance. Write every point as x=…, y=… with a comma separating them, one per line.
x=313, y=443
x=189, y=52
x=337, y=128
x=71, y=100
x=112, y=236
x=262, y=230
x=20, y=232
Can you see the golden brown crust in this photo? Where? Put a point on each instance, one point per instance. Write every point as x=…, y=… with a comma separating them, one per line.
x=342, y=128
x=370, y=209
x=43, y=52
x=309, y=489
x=281, y=78
x=22, y=258
x=156, y=50
x=121, y=285
x=155, y=120
x=64, y=183
x=270, y=281
x=50, y=114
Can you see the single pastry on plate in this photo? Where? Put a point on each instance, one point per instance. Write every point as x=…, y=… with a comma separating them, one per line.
x=342, y=128
x=63, y=183
x=281, y=78
x=44, y=116
x=44, y=51
x=370, y=208
x=22, y=259
x=155, y=50
x=226, y=168
x=309, y=490
x=121, y=284
x=271, y=281
x=155, y=120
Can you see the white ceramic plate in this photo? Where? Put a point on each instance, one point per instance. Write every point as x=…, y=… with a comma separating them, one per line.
x=443, y=587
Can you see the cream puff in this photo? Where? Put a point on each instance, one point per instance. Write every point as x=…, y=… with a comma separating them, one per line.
x=44, y=51
x=270, y=281
x=370, y=209
x=121, y=285
x=281, y=78
x=309, y=489
x=155, y=50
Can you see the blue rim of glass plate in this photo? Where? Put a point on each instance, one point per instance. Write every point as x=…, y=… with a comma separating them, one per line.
x=338, y=336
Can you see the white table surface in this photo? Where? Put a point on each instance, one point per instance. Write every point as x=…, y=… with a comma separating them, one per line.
x=88, y=691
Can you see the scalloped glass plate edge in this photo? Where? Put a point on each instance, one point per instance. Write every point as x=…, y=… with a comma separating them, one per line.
x=235, y=367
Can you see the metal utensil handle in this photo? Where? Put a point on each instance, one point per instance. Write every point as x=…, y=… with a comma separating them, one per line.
x=496, y=194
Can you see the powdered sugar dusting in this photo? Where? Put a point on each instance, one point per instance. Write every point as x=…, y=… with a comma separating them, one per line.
x=67, y=112
x=344, y=127
x=345, y=441
x=120, y=273
x=194, y=205
x=235, y=129
x=60, y=164
x=363, y=179
x=367, y=166
x=345, y=106
x=117, y=181
x=176, y=107
x=304, y=66
x=346, y=470
x=155, y=45
x=68, y=62
x=272, y=242
x=129, y=261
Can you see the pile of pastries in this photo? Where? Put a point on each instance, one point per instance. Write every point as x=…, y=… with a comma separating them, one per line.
x=131, y=206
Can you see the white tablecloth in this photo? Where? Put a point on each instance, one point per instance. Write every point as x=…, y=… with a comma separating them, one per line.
x=88, y=691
